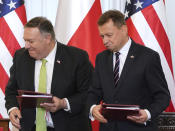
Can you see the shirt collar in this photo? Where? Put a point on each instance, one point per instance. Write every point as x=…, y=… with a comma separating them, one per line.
x=125, y=48
x=52, y=53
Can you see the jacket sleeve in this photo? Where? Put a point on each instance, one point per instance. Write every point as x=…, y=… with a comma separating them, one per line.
x=157, y=85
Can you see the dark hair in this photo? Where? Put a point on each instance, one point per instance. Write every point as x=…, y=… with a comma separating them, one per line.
x=43, y=24
x=116, y=16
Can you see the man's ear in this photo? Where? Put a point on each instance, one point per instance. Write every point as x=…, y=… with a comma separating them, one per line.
x=124, y=28
x=48, y=38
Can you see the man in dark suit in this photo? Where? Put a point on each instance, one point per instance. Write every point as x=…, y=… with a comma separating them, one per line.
x=141, y=78
x=68, y=79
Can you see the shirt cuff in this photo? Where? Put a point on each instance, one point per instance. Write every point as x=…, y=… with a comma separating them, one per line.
x=11, y=109
x=148, y=114
x=90, y=113
x=68, y=105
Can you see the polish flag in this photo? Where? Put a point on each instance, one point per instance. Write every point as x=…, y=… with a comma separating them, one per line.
x=76, y=25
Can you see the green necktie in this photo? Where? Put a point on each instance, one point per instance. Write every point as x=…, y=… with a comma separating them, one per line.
x=40, y=115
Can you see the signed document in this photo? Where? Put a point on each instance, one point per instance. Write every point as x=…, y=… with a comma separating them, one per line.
x=31, y=99
x=118, y=111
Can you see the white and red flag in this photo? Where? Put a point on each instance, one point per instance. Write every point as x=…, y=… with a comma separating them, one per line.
x=76, y=25
x=146, y=20
x=12, y=19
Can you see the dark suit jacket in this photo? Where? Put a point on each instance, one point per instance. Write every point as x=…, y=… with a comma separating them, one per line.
x=71, y=79
x=141, y=82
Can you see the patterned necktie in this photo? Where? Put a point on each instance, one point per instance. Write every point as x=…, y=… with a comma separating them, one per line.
x=40, y=115
x=116, y=69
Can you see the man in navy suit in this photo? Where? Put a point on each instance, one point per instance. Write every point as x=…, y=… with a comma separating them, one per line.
x=68, y=79
x=141, y=78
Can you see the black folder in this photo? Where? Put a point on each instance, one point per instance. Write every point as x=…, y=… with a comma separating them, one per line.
x=31, y=99
x=119, y=112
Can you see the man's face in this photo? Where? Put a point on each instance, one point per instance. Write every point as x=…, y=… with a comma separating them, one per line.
x=36, y=43
x=113, y=37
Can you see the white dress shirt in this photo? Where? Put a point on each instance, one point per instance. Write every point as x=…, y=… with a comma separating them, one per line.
x=123, y=54
x=49, y=68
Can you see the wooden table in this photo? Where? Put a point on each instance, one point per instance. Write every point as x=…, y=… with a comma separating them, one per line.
x=4, y=123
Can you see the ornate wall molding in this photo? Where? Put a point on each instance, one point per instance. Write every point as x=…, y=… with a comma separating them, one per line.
x=166, y=121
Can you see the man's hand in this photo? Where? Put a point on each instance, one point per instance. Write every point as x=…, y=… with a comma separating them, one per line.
x=56, y=105
x=97, y=115
x=141, y=118
x=15, y=116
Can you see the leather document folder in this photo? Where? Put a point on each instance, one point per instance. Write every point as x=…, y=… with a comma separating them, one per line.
x=31, y=99
x=119, y=112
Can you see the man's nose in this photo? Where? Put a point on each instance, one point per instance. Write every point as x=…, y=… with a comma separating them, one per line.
x=105, y=40
x=27, y=45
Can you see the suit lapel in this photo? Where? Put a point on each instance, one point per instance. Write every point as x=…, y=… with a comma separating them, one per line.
x=57, y=69
x=128, y=64
x=110, y=70
x=29, y=69
x=109, y=76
